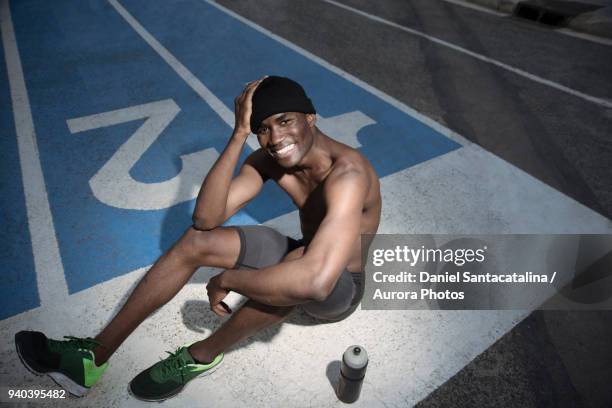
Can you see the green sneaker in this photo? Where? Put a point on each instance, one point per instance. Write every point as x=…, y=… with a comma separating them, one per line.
x=70, y=363
x=168, y=377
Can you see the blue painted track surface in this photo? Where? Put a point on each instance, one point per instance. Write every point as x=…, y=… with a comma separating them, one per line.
x=18, y=290
x=82, y=58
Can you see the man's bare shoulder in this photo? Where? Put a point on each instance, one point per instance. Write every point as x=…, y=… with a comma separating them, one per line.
x=352, y=171
x=348, y=169
x=350, y=162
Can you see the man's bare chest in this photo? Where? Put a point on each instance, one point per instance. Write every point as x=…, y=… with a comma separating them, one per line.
x=308, y=198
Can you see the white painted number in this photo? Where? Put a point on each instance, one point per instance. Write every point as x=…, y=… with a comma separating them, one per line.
x=114, y=186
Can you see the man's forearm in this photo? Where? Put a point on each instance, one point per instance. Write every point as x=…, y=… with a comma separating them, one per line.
x=284, y=284
x=212, y=198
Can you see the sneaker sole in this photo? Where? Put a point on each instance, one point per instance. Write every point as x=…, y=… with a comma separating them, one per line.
x=59, y=378
x=204, y=374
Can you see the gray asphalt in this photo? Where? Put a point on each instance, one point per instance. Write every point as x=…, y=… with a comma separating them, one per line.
x=552, y=358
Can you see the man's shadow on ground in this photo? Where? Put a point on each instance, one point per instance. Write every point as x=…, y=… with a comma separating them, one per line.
x=198, y=317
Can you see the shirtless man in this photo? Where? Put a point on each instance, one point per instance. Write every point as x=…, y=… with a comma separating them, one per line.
x=338, y=196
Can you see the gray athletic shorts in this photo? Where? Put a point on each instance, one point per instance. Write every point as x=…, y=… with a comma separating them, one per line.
x=262, y=246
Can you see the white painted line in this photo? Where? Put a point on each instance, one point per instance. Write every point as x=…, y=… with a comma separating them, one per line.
x=584, y=36
x=476, y=7
x=599, y=101
x=365, y=86
x=118, y=116
x=564, y=31
x=215, y=103
x=52, y=287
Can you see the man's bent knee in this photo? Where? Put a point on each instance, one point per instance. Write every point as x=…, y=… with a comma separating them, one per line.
x=218, y=247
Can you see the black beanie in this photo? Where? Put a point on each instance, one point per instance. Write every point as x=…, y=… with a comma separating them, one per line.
x=276, y=95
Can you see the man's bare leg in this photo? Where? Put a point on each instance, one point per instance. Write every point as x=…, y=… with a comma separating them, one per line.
x=248, y=320
x=219, y=247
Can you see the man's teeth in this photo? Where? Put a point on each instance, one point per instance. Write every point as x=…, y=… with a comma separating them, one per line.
x=285, y=149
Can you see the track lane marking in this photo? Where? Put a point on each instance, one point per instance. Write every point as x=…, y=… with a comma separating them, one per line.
x=589, y=98
x=50, y=277
x=584, y=36
x=226, y=114
x=565, y=31
x=482, y=9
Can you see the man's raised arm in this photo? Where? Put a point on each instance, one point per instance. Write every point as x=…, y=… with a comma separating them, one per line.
x=314, y=275
x=221, y=196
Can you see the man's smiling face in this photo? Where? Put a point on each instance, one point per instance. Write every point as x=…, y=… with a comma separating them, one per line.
x=287, y=136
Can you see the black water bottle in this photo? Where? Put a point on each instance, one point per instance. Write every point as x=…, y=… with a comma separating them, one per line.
x=352, y=372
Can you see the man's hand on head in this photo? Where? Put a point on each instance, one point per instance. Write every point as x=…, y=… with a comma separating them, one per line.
x=216, y=294
x=243, y=107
